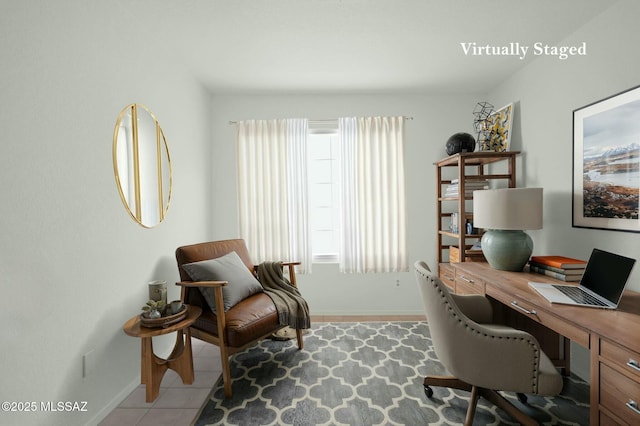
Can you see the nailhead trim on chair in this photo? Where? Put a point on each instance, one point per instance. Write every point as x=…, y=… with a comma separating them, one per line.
x=536, y=357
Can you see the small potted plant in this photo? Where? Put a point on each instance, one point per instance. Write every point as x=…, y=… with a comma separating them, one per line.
x=153, y=309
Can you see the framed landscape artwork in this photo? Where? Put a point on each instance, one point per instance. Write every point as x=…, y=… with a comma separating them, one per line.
x=606, y=163
x=498, y=130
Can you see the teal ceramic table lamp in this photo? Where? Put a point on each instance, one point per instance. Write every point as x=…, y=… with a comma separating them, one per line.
x=504, y=214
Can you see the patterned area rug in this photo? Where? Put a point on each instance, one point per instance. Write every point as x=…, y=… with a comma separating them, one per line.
x=362, y=374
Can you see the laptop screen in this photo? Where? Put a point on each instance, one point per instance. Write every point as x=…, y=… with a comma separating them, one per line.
x=606, y=274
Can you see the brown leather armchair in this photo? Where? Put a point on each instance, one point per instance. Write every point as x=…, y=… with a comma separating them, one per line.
x=244, y=324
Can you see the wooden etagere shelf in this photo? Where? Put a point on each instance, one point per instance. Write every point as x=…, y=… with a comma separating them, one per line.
x=470, y=167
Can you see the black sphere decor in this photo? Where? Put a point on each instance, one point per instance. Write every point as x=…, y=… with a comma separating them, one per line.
x=460, y=142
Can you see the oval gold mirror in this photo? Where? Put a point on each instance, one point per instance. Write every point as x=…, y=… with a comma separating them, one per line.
x=142, y=165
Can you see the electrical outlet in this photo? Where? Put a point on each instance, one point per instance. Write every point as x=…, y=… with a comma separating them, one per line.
x=397, y=283
x=88, y=363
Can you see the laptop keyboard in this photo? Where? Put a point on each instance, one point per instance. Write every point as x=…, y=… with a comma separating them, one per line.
x=579, y=296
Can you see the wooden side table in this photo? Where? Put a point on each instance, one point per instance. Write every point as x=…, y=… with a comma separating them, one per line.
x=180, y=360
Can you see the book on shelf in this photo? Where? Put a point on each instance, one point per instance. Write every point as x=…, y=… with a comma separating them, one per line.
x=474, y=184
x=468, y=182
x=562, y=262
x=576, y=271
x=556, y=275
x=453, y=225
x=455, y=194
x=452, y=189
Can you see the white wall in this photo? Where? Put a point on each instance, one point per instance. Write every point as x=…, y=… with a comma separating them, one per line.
x=435, y=119
x=546, y=92
x=73, y=265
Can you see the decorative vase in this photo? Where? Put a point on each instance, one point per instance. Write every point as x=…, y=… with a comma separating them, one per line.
x=506, y=250
x=460, y=142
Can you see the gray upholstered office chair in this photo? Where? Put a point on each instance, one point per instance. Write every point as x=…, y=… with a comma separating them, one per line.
x=483, y=358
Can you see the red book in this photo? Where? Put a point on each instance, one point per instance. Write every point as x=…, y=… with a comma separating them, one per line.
x=560, y=262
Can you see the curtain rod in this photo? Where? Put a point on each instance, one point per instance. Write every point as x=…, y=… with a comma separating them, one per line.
x=326, y=120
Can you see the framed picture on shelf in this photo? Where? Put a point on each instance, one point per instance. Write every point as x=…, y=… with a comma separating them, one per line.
x=498, y=130
x=606, y=163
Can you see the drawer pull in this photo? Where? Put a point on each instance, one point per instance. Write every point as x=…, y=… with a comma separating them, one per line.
x=633, y=406
x=633, y=364
x=463, y=278
x=526, y=311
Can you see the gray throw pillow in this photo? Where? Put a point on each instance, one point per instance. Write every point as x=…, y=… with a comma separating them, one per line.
x=229, y=267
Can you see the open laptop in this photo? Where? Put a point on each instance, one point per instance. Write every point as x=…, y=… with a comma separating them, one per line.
x=601, y=286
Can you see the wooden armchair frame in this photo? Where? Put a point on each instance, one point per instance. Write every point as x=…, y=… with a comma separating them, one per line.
x=206, y=251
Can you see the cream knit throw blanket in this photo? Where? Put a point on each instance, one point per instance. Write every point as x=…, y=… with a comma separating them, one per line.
x=292, y=308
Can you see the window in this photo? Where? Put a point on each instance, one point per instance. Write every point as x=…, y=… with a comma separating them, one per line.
x=323, y=156
x=324, y=191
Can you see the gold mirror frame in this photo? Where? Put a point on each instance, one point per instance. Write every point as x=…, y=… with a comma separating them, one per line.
x=142, y=165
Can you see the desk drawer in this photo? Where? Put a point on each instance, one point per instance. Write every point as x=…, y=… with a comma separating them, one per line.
x=448, y=276
x=468, y=284
x=619, y=394
x=560, y=326
x=627, y=360
x=608, y=421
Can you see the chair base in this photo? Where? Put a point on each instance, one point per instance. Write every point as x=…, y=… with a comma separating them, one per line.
x=476, y=392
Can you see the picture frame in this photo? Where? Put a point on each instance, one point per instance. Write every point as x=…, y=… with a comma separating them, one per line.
x=606, y=163
x=498, y=130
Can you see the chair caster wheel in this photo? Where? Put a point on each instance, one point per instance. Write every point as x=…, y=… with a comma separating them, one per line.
x=428, y=391
x=522, y=397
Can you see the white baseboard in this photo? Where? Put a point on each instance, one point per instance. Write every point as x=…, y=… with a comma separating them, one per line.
x=114, y=403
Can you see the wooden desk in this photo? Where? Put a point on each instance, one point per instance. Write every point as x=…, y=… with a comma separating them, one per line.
x=180, y=360
x=612, y=336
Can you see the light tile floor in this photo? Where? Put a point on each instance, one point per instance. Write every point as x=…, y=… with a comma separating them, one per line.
x=178, y=404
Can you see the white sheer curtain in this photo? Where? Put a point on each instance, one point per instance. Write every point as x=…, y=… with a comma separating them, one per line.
x=373, y=197
x=272, y=190
x=299, y=241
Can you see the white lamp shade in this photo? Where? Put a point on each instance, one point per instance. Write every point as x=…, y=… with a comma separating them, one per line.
x=508, y=209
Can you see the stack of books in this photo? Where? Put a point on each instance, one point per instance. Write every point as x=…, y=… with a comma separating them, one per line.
x=469, y=186
x=558, y=267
